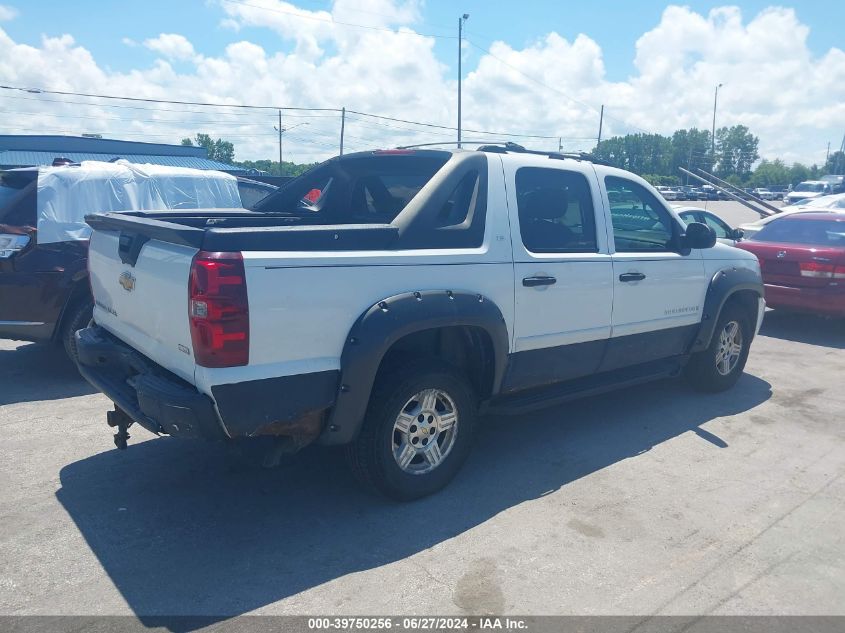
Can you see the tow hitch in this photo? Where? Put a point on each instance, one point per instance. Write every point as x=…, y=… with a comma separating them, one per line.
x=122, y=421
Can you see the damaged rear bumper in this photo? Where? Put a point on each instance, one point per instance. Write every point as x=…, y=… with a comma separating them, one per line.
x=152, y=397
x=159, y=401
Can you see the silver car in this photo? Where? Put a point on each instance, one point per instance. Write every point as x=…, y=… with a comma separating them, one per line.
x=724, y=233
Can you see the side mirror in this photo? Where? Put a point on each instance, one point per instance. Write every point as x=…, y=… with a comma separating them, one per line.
x=737, y=234
x=698, y=235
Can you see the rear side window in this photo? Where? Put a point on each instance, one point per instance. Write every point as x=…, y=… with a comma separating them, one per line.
x=456, y=209
x=792, y=231
x=369, y=189
x=640, y=222
x=556, y=212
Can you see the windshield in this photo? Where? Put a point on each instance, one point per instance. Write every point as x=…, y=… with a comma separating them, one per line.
x=803, y=231
x=368, y=189
x=17, y=198
x=809, y=186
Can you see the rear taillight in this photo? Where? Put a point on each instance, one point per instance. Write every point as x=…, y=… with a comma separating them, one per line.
x=819, y=270
x=218, y=310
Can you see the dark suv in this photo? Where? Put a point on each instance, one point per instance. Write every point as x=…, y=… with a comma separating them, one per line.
x=44, y=291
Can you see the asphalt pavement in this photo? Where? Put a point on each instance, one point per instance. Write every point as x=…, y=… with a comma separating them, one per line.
x=652, y=500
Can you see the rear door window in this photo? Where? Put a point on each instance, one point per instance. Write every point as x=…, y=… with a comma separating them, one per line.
x=556, y=212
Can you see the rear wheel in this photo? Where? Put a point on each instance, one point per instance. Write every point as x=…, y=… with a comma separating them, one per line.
x=417, y=431
x=718, y=367
x=78, y=317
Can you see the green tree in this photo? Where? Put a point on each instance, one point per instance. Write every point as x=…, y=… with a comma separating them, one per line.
x=798, y=173
x=219, y=150
x=224, y=151
x=690, y=149
x=835, y=164
x=736, y=151
x=639, y=153
x=769, y=173
x=272, y=167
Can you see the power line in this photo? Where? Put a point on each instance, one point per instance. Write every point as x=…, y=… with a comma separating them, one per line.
x=170, y=101
x=274, y=108
x=446, y=127
x=148, y=108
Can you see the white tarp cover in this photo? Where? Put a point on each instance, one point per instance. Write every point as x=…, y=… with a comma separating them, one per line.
x=67, y=194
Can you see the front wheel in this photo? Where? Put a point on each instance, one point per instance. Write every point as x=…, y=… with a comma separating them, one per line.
x=718, y=367
x=417, y=431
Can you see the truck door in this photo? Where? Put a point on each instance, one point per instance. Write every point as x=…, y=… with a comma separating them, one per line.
x=563, y=274
x=658, y=290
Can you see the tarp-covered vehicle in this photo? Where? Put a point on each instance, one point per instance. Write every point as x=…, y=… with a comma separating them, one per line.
x=44, y=291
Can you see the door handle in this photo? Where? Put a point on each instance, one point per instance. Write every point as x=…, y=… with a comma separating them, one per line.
x=538, y=281
x=631, y=277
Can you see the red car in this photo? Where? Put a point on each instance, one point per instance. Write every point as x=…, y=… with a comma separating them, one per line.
x=802, y=258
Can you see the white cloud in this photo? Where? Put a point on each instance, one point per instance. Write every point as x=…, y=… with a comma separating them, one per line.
x=128, y=41
x=793, y=100
x=172, y=46
x=7, y=13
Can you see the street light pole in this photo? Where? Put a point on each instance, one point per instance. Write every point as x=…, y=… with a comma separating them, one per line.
x=461, y=21
x=713, y=133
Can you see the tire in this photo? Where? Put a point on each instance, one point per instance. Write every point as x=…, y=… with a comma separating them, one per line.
x=423, y=394
x=717, y=368
x=77, y=317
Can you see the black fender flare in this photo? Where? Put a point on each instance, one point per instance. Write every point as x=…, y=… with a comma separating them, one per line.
x=391, y=319
x=723, y=285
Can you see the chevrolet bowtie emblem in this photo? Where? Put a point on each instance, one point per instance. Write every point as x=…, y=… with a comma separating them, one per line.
x=127, y=280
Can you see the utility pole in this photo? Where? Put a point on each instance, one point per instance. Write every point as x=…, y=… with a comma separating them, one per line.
x=689, y=165
x=280, y=141
x=601, y=121
x=560, y=143
x=342, y=126
x=461, y=21
x=827, y=156
x=713, y=133
x=281, y=130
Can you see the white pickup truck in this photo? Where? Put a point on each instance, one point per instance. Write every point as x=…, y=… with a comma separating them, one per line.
x=386, y=300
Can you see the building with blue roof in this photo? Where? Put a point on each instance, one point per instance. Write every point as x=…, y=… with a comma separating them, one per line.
x=30, y=151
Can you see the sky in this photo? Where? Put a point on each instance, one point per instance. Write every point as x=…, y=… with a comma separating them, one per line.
x=540, y=68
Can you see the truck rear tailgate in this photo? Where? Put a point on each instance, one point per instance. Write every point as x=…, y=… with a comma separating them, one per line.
x=145, y=304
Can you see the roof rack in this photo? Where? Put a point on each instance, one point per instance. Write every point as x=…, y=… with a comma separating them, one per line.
x=519, y=149
x=442, y=143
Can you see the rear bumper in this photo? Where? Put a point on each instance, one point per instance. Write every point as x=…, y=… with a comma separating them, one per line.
x=151, y=396
x=829, y=301
x=292, y=406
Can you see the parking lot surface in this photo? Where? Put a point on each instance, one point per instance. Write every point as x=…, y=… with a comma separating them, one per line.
x=652, y=500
